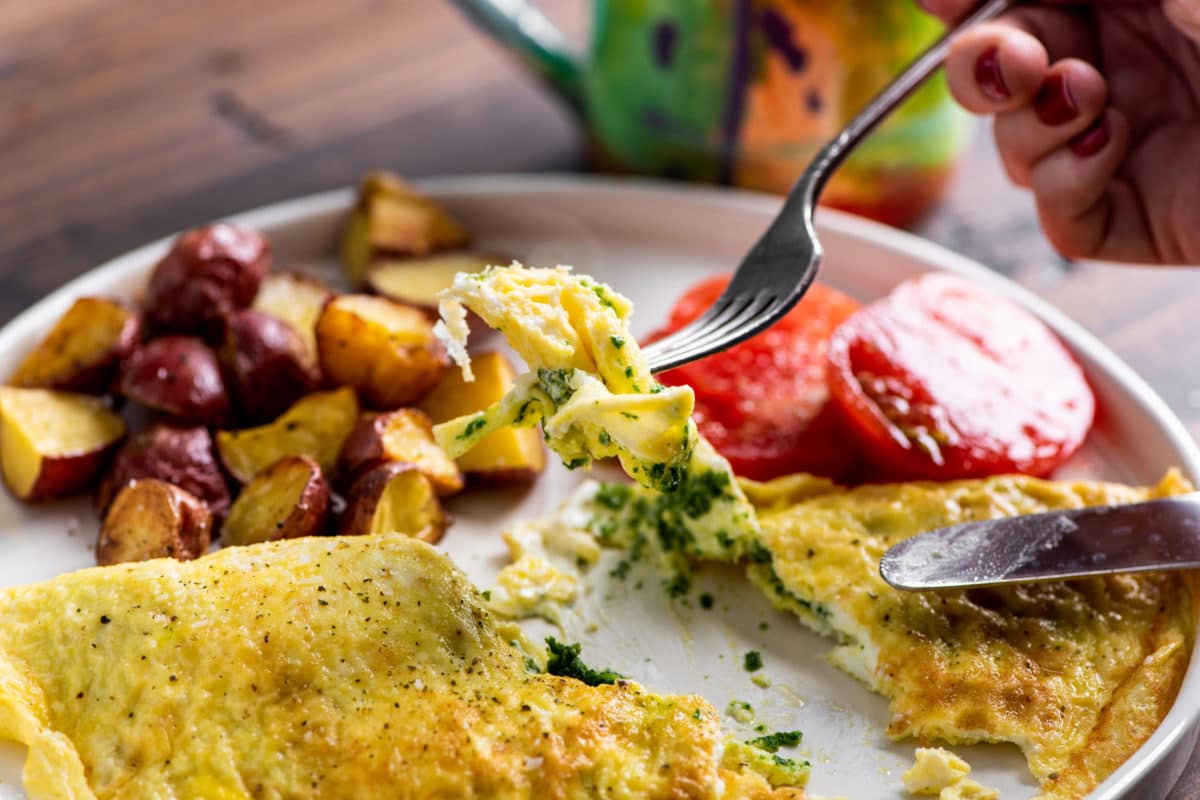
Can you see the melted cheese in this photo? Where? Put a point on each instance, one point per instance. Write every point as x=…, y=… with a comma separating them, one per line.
x=314, y=668
x=1077, y=674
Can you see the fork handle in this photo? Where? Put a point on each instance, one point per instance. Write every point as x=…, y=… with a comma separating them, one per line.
x=803, y=196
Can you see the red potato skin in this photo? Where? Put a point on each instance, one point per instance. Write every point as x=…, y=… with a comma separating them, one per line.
x=62, y=476
x=363, y=449
x=189, y=542
x=98, y=377
x=267, y=364
x=364, y=495
x=311, y=515
x=208, y=273
x=184, y=457
x=179, y=376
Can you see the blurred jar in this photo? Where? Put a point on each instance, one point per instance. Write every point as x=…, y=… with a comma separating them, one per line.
x=744, y=92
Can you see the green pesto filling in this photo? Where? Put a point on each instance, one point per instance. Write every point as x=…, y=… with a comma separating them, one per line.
x=564, y=661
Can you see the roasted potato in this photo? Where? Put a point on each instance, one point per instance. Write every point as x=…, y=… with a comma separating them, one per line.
x=316, y=426
x=266, y=363
x=404, y=435
x=83, y=350
x=287, y=500
x=394, y=219
x=154, y=519
x=53, y=443
x=184, y=457
x=297, y=300
x=208, y=273
x=508, y=455
x=394, y=498
x=385, y=350
x=178, y=376
x=417, y=281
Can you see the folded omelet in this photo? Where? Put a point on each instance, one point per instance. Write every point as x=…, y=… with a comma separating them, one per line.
x=1077, y=674
x=321, y=668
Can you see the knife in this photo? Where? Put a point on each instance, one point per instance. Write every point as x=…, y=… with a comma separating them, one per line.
x=1154, y=535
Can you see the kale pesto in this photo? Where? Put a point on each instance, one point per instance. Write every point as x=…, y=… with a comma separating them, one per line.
x=564, y=661
x=772, y=742
x=557, y=385
x=473, y=426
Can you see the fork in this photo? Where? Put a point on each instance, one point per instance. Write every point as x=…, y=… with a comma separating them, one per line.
x=781, y=266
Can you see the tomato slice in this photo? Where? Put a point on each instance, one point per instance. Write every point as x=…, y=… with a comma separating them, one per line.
x=944, y=380
x=765, y=403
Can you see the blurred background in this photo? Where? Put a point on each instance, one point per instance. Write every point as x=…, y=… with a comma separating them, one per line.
x=123, y=121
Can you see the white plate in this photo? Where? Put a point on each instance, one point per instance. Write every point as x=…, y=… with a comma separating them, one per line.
x=650, y=242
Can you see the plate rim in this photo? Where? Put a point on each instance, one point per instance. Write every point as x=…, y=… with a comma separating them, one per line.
x=1183, y=716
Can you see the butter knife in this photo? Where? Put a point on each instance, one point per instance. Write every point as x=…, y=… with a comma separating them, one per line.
x=1155, y=535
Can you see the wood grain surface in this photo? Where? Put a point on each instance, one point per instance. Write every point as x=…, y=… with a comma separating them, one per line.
x=124, y=120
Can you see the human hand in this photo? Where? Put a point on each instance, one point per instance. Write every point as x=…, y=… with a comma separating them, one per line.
x=1097, y=111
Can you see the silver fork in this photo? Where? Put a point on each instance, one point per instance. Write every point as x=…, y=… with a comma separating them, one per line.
x=778, y=270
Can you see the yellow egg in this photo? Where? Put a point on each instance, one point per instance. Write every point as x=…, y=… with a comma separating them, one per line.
x=320, y=668
x=1077, y=674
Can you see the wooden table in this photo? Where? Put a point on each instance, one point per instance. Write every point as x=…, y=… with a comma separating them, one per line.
x=124, y=121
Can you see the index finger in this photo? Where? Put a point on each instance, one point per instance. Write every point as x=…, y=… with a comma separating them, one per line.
x=1062, y=27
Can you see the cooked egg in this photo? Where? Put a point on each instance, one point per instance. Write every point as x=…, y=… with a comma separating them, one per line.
x=934, y=770
x=547, y=558
x=590, y=387
x=1077, y=674
x=320, y=668
x=588, y=383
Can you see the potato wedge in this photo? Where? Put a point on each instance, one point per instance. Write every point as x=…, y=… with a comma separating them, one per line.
x=267, y=364
x=315, y=426
x=53, y=443
x=394, y=498
x=417, y=281
x=297, y=300
x=83, y=350
x=393, y=218
x=385, y=350
x=207, y=273
x=153, y=519
x=404, y=435
x=287, y=500
x=508, y=455
x=178, y=376
x=183, y=457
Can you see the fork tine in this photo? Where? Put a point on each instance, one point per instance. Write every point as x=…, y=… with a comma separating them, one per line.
x=727, y=306
x=781, y=265
x=706, y=335
x=688, y=347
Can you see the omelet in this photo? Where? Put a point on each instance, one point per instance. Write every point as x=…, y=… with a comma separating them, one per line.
x=311, y=668
x=590, y=387
x=1077, y=674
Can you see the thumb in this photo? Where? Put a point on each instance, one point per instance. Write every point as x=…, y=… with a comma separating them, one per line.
x=1184, y=15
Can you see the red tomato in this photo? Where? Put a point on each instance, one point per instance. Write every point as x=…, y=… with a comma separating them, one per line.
x=764, y=404
x=944, y=380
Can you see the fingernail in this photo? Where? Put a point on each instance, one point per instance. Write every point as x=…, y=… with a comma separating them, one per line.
x=1092, y=140
x=1054, y=104
x=988, y=76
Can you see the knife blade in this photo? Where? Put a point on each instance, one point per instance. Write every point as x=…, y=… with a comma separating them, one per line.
x=1155, y=535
